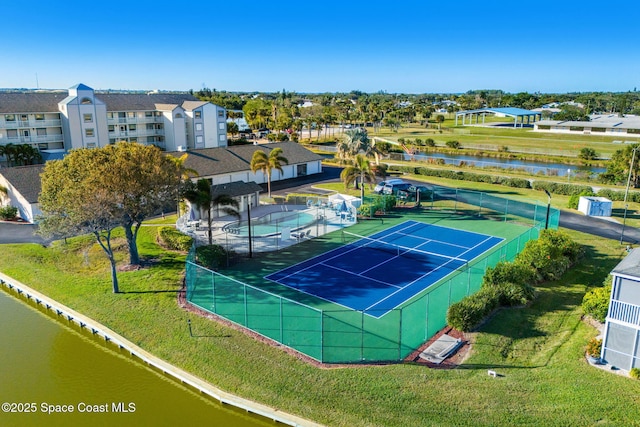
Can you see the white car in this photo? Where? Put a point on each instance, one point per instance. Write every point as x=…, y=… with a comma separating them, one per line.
x=380, y=186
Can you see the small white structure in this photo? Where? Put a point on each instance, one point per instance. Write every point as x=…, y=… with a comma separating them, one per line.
x=337, y=199
x=594, y=206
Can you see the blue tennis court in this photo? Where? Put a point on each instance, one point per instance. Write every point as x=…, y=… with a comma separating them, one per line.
x=378, y=273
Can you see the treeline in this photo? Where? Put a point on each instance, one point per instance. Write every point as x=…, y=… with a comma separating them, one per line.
x=290, y=110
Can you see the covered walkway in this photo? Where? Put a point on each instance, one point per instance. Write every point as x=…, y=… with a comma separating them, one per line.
x=519, y=115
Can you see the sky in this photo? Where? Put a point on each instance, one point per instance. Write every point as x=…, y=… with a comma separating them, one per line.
x=310, y=46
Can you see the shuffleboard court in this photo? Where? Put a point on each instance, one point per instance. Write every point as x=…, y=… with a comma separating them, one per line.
x=377, y=273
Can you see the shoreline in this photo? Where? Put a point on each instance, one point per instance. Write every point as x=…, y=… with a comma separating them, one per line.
x=178, y=375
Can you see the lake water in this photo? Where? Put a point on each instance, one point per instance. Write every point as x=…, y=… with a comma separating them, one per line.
x=47, y=365
x=551, y=169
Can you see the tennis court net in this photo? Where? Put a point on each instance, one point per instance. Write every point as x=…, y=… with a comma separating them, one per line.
x=355, y=240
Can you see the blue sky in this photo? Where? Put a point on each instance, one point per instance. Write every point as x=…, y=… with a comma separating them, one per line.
x=329, y=46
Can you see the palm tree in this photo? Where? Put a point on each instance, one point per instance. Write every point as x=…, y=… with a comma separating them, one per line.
x=357, y=141
x=267, y=163
x=9, y=152
x=202, y=196
x=360, y=169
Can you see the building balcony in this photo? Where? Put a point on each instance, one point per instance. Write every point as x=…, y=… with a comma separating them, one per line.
x=625, y=313
x=35, y=139
x=30, y=124
x=134, y=120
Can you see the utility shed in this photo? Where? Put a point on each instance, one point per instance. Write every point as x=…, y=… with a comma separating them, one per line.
x=594, y=206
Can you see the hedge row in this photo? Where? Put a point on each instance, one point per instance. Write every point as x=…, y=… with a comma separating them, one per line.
x=511, y=283
x=174, y=240
x=596, y=302
x=211, y=256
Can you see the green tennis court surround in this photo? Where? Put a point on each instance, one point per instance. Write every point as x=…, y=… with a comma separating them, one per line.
x=331, y=333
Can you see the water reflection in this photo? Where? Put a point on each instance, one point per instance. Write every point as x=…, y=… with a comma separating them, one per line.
x=44, y=362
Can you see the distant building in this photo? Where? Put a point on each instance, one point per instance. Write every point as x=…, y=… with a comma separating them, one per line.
x=83, y=118
x=601, y=124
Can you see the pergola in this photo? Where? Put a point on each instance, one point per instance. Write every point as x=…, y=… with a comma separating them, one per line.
x=517, y=113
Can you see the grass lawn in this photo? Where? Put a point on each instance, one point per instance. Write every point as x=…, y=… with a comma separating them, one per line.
x=517, y=140
x=539, y=349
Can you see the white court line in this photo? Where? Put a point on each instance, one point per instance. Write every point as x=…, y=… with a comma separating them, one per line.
x=425, y=275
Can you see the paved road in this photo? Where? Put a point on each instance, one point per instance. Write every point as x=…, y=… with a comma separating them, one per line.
x=591, y=225
x=24, y=233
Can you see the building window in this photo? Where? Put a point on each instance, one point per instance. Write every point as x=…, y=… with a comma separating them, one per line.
x=39, y=116
x=88, y=118
x=112, y=128
x=223, y=138
x=91, y=145
x=131, y=115
x=10, y=117
x=41, y=131
x=86, y=101
x=89, y=132
x=12, y=133
x=198, y=126
x=178, y=116
x=132, y=128
x=109, y=115
x=199, y=139
x=197, y=114
x=148, y=113
x=223, y=126
x=302, y=169
x=220, y=113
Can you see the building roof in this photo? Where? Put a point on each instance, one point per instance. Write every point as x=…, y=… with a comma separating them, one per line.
x=47, y=102
x=609, y=121
x=25, y=179
x=81, y=86
x=30, y=102
x=192, y=105
x=223, y=160
x=629, y=266
x=141, y=102
x=237, y=188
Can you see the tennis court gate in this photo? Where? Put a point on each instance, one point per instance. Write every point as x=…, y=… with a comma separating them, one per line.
x=349, y=336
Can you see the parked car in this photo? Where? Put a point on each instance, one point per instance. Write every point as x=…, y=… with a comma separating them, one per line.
x=411, y=193
x=393, y=188
x=380, y=186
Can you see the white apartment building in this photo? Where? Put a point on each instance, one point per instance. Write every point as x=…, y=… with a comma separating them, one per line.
x=82, y=118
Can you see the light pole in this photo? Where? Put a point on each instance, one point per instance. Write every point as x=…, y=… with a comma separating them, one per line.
x=626, y=193
x=546, y=224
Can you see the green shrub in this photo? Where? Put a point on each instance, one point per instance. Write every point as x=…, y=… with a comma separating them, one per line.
x=468, y=313
x=367, y=209
x=8, y=212
x=574, y=200
x=516, y=182
x=505, y=272
x=211, y=256
x=512, y=294
x=453, y=144
x=635, y=373
x=429, y=142
x=587, y=153
x=550, y=255
x=174, y=240
x=596, y=302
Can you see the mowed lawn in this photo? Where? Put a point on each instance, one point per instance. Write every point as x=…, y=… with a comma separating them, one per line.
x=539, y=349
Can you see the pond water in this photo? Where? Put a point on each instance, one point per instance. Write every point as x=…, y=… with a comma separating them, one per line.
x=49, y=365
x=543, y=168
